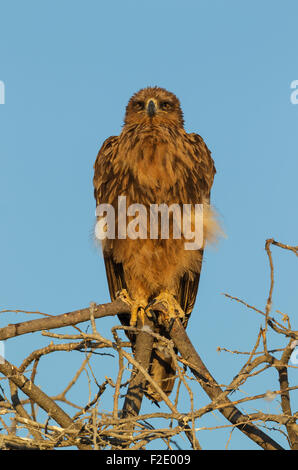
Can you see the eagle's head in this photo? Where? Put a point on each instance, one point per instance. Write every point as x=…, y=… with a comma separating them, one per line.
x=154, y=105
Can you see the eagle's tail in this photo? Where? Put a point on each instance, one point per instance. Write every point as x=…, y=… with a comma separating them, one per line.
x=162, y=370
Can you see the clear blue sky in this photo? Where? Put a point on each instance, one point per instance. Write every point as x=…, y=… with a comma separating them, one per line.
x=69, y=69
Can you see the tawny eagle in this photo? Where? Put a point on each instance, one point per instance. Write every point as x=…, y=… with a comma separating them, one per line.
x=155, y=161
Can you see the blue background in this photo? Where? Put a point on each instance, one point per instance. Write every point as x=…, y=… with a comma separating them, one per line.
x=69, y=69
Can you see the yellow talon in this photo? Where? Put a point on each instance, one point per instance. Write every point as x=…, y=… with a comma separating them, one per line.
x=168, y=305
x=134, y=315
x=137, y=307
x=124, y=296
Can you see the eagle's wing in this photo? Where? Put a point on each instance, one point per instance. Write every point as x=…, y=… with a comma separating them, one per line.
x=198, y=188
x=105, y=183
x=187, y=293
x=116, y=282
x=103, y=170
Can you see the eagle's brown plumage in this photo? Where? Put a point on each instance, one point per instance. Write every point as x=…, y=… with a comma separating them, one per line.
x=155, y=161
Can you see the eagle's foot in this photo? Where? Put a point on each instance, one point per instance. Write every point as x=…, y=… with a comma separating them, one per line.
x=137, y=306
x=124, y=296
x=167, y=305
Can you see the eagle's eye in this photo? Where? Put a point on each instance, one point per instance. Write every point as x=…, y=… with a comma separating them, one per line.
x=139, y=105
x=166, y=105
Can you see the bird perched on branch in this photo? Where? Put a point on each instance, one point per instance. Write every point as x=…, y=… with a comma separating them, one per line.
x=154, y=162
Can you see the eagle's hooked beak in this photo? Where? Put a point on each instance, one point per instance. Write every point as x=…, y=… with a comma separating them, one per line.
x=151, y=108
